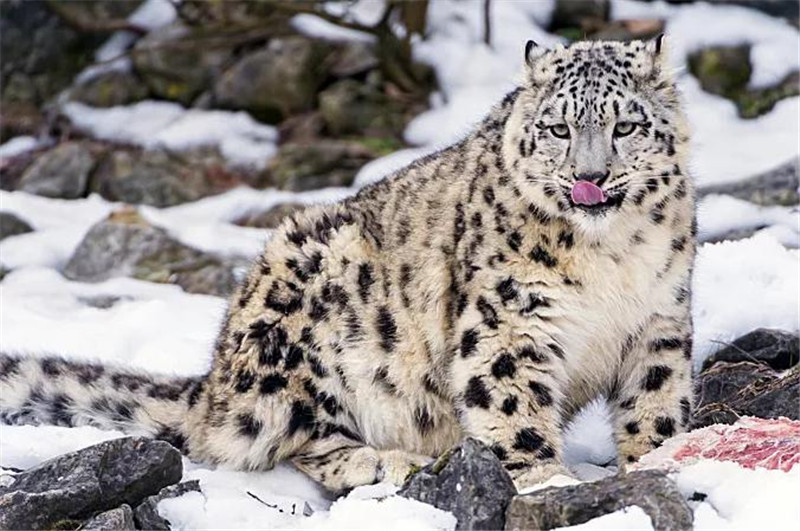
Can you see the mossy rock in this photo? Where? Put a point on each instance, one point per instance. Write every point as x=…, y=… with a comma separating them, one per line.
x=726, y=71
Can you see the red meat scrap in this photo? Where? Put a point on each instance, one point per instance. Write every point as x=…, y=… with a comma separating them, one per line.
x=751, y=442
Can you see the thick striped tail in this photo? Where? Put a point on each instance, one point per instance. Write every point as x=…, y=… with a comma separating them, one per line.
x=52, y=390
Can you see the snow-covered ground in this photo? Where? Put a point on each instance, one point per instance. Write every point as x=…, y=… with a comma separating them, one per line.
x=738, y=285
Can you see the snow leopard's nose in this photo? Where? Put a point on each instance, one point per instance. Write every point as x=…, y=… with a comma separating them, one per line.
x=595, y=177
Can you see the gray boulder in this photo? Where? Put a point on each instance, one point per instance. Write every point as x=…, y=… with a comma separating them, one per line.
x=776, y=348
x=125, y=244
x=11, y=225
x=62, y=172
x=350, y=107
x=468, y=481
x=79, y=484
x=110, y=88
x=160, y=178
x=276, y=81
x=179, y=63
x=120, y=518
x=775, y=187
x=555, y=507
x=146, y=514
x=324, y=163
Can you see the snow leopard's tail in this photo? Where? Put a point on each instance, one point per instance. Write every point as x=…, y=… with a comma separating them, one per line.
x=52, y=390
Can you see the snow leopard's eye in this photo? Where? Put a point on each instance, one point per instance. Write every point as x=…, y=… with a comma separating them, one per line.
x=560, y=131
x=624, y=129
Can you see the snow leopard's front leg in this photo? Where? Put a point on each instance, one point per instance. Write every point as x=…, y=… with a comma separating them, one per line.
x=504, y=373
x=653, y=401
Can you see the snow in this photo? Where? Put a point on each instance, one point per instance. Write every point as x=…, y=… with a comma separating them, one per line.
x=742, y=285
x=739, y=498
x=17, y=146
x=313, y=26
x=152, y=124
x=718, y=214
x=738, y=286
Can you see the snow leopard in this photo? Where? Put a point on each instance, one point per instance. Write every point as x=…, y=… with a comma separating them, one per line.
x=489, y=290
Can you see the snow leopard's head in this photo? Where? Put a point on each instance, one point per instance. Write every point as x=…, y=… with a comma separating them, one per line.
x=596, y=127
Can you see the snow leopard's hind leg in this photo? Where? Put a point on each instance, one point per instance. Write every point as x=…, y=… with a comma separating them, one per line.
x=340, y=463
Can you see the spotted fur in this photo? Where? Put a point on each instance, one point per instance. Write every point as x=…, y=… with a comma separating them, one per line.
x=464, y=295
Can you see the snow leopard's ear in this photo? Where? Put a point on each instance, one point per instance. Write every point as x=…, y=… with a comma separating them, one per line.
x=656, y=45
x=533, y=52
x=657, y=51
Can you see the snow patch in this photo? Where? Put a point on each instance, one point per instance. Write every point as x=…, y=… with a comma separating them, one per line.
x=153, y=124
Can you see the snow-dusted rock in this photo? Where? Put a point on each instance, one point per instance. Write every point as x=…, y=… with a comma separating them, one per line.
x=120, y=518
x=778, y=186
x=11, y=225
x=470, y=482
x=556, y=507
x=76, y=485
x=125, y=244
x=146, y=514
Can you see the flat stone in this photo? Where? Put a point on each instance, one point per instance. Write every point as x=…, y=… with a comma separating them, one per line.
x=79, y=484
x=555, y=507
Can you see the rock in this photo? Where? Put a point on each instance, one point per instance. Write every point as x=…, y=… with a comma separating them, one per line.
x=79, y=484
x=104, y=302
x=757, y=102
x=109, y=89
x=726, y=70
x=62, y=172
x=276, y=81
x=776, y=348
x=468, y=481
x=722, y=70
x=627, y=30
x=727, y=391
x=120, y=518
x=178, y=63
x=583, y=14
x=354, y=58
x=146, y=514
x=125, y=244
x=41, y=52
x=160, y=178
x=11, y=225
x=300, y=167
x=269, y=219
x=555, y=507
x=775, y=187
x=20, y=119
x=350, y=107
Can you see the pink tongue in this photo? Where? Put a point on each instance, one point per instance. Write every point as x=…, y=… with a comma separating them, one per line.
x=586, y=193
